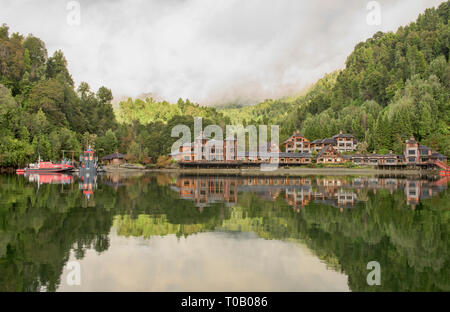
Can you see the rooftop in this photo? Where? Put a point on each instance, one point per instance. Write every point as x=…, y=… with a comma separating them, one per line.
x=115, y=155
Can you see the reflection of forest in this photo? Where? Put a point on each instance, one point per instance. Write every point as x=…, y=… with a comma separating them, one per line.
x=40, y=226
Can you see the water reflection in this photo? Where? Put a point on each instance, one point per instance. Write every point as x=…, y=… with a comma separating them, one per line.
x=162, y=232
x=56, y=178
x=205, y=262
x=299, y=192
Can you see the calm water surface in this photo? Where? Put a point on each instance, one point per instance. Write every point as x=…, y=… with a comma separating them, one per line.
x=185, y=233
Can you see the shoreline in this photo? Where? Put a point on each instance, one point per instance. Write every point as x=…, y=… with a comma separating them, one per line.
x=278, y=172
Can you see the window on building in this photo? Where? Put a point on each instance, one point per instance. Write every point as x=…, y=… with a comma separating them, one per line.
x=411, y=152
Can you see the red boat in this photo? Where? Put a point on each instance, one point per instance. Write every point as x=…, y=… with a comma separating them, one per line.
x=444, y=173
x=45, y=167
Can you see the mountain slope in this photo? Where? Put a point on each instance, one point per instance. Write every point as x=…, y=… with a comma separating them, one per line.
x=393, y=85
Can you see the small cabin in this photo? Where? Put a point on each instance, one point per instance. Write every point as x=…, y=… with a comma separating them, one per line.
x=114, y=159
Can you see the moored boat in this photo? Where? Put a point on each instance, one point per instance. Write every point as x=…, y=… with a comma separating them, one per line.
x=444, y=173
x=45, y=167
x=48, y=167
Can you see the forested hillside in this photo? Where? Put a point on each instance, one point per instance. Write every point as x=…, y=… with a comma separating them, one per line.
x=148, y=111
x=41, y=113
x=393, y=85
x=146, y=125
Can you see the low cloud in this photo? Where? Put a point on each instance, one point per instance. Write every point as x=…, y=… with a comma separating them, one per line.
x=212, y=52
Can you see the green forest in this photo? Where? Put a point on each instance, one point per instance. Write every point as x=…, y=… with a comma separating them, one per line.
x=393, y=85
x=42, y=113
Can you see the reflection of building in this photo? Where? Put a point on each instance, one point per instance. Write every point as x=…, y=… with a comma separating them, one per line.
x=205, y=191
x=416, y=190
x=298, y=198
x=88, y=184
x=112, y=180
x=300, y=192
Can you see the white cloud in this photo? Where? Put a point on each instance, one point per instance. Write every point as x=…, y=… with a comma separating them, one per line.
x=211, y=52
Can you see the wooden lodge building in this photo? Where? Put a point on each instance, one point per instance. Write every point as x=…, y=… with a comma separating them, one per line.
x=298, y=151
x=329, y=155
x=341, y=142
x=297, y=143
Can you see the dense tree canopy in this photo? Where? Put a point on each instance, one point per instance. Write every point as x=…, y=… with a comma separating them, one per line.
x=394, y=85
x=40, y=111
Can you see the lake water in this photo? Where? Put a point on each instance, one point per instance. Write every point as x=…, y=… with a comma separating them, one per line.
x=156, y=232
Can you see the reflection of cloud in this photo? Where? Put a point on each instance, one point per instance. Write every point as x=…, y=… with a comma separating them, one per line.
x=209, y=51
x=205, y=262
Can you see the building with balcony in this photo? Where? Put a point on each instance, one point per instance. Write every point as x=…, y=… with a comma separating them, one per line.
x=297, y=143
x=329, y=155
x=342, y=142
x=224, y=153
x=345, y=142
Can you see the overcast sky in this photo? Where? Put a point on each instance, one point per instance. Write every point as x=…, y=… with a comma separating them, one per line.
x=210, y=51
